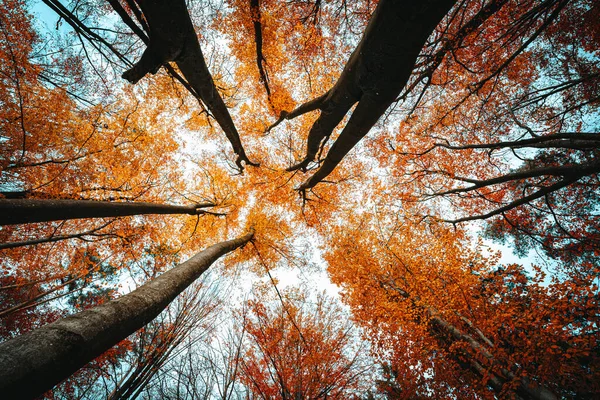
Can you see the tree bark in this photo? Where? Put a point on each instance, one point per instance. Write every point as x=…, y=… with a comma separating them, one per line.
x=23, y=211
x=173, y=38
x=376, y=72
x=33, y=363
x=258, y=40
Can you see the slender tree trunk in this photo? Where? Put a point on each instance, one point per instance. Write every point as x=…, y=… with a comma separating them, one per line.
x=173, y=38
x=22, y=211
x=33, y=363
x=258, y=40
x=526, y=388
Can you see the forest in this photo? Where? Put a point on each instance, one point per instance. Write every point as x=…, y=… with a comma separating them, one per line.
x=300, y=199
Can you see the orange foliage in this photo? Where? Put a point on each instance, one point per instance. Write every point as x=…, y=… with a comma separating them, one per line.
x=446, y=321
x=443, y=319
x=301, y=349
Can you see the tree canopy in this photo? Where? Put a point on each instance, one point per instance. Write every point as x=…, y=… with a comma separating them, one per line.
x=381, y=149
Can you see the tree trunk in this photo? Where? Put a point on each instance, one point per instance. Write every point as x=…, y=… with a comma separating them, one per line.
x=23, y=211
x=258, y=40
x=173, y=38
x=33, y=363
x=376, y=72
x=526, y=387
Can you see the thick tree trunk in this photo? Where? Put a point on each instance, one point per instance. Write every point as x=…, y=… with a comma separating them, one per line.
x=22, y=211
x=376, y=72
x=33, y=363
x=173, y=38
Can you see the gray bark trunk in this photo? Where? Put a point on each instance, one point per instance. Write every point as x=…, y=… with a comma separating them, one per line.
x=23, y=211
x=33, y=363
